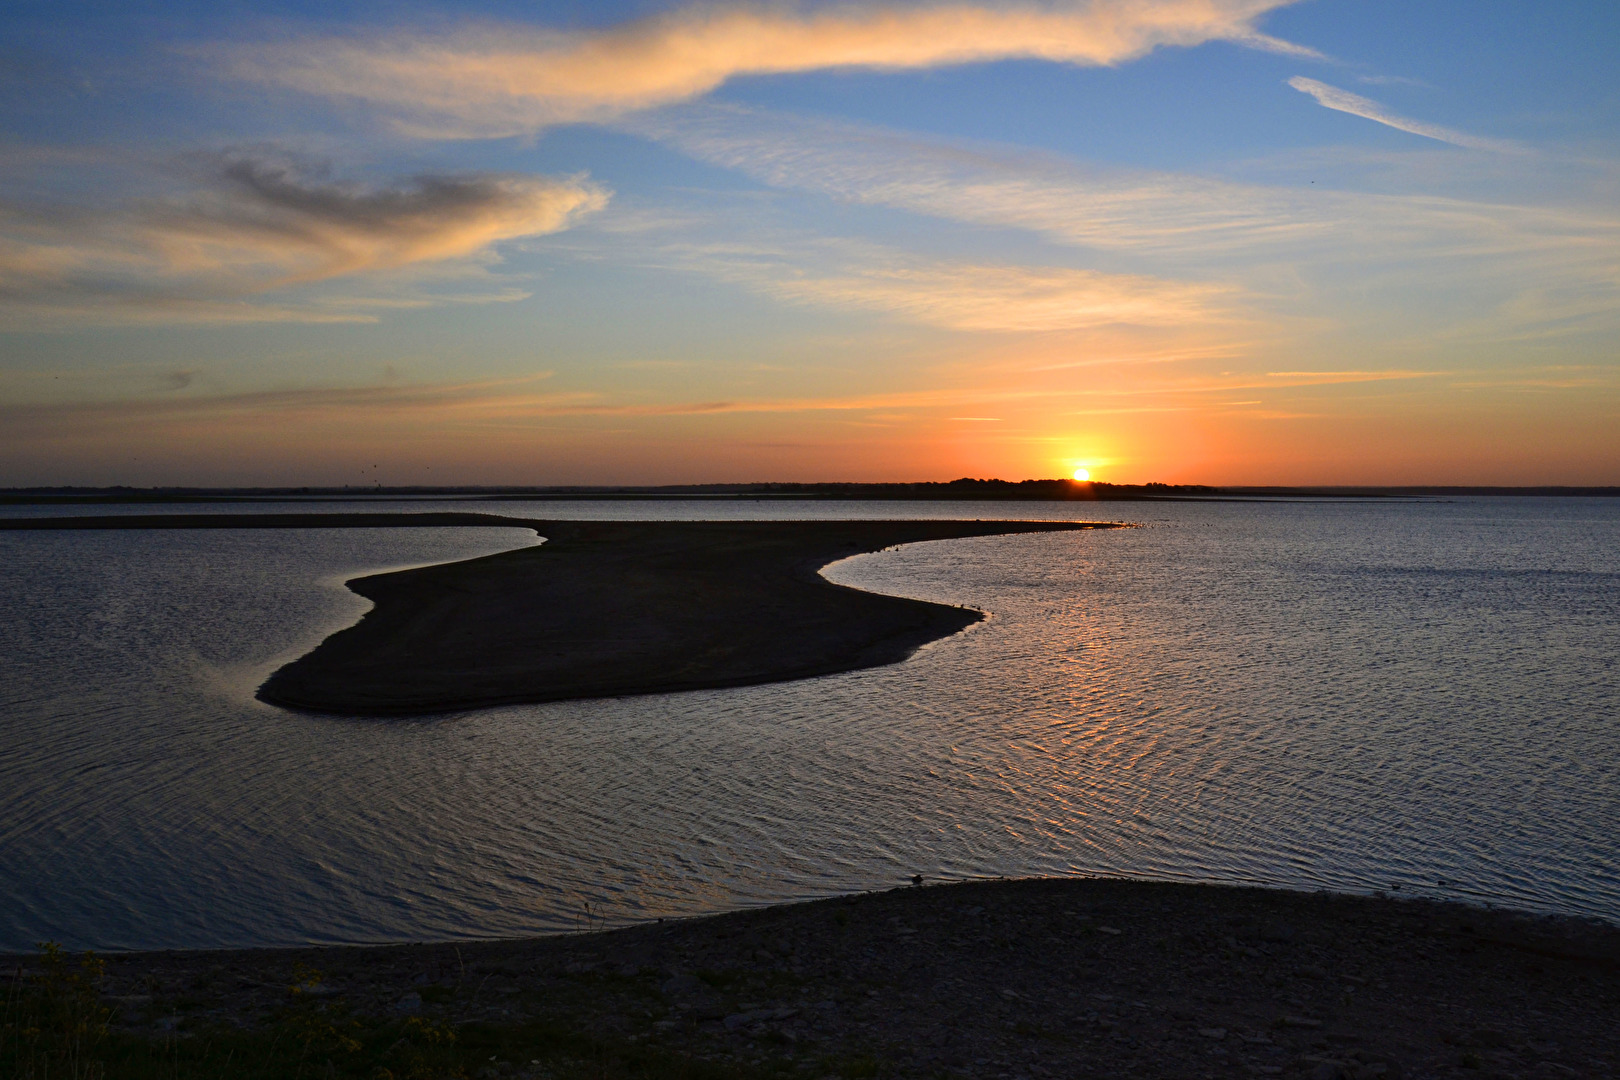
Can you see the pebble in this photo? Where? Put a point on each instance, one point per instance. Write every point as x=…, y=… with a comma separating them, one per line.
x=1212, y=1033
x=1301, y=1022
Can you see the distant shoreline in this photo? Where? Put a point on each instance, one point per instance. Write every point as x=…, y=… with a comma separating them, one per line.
x=602, y=609
x=965, y=490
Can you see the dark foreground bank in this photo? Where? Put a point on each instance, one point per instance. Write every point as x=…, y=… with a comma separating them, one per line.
x=1033, y=979
x=602, y=609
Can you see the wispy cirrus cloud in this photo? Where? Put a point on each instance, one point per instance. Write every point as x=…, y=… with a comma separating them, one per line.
x=1331, y=97
x=1007, y=298
x=1156, y=214
x=1507, y=266
x=1339, y=378
x=472, y=401
x=1390, y=80
x=509, y=80
x=952, y=294
x=253, y=225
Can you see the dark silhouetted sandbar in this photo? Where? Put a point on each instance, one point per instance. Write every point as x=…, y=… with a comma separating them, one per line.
x=265, y=521
x=603, y=609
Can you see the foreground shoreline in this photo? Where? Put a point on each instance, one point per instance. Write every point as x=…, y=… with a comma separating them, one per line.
x=1034, y=978
x=602, y=609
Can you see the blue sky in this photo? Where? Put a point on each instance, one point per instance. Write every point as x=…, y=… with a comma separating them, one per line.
x=1191, y=240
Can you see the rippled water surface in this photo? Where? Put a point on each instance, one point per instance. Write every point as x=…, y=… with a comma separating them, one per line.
x=1344, y=695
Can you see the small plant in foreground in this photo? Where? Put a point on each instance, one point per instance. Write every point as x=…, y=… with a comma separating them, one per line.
x=52, y=1023
x=319, y=1026
x=421, y=1052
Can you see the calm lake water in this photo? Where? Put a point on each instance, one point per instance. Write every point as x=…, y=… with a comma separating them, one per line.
x=1337, y=695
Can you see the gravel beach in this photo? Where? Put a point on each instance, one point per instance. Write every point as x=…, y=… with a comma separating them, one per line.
x=1002, y=979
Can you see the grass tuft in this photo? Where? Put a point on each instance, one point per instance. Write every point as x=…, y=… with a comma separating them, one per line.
x=53, y=1022
x=55, y=1026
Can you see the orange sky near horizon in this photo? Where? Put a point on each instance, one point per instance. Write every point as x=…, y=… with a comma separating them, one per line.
x=1299, y=438
x=1185, y=241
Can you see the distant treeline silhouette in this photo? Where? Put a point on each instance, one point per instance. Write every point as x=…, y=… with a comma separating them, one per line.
x=966, y=488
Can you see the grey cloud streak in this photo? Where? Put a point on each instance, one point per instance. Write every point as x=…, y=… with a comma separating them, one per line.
x=253, y=224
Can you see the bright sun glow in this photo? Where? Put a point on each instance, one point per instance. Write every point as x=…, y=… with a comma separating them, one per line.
x=1082, y=473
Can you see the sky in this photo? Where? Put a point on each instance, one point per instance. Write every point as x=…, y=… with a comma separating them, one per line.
x=1185, y=241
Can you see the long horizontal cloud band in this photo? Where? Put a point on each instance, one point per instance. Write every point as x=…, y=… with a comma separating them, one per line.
x=508, y=399
x=1004, y=299
x=508, y=81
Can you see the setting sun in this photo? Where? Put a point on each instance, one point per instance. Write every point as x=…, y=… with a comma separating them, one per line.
x=1082, y=473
